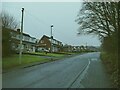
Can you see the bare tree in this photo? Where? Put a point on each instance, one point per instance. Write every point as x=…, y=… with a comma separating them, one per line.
x=8, y=21
x=100, y=18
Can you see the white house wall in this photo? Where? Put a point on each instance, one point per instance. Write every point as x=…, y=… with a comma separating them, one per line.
x=27, y=46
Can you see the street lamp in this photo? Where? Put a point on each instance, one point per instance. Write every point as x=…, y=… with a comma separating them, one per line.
x=21, y=36
x=51, y=38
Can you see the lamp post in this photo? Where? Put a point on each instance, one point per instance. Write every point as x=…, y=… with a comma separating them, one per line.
x=21, y=36
x=51, y=38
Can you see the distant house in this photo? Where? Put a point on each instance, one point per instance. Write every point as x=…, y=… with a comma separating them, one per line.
x=46, y=44
x=70, y=48
x=93, y=48
x=67, y=48
x=28, y=42
x=76, y=48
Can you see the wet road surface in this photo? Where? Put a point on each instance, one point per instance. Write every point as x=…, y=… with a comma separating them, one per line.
x=81, y=71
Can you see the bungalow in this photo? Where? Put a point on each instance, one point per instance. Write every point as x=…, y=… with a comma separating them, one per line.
x=45, y=43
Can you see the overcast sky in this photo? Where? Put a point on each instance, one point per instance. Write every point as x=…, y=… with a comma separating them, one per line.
x=39, y=16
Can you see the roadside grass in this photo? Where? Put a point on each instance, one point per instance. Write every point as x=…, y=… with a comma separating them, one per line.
x=53, y=54
x=111, y=63
x=62, y=54
x=31, y=58
x=13, y=61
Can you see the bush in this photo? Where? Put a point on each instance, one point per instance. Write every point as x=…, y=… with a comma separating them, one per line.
x=111, y=63
x=6, y=42
x=110, y=44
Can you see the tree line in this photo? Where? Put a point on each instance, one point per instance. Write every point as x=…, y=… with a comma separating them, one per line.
x=101, y=19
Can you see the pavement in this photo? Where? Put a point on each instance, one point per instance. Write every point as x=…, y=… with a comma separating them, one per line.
x=81, y=71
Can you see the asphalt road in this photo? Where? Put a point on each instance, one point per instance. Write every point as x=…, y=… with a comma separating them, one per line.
x=81, y=71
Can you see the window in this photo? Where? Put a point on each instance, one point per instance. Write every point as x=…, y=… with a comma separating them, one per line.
x=42, y=41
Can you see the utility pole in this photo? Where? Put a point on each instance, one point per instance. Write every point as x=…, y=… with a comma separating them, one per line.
x=21, y=36
x=51, y=38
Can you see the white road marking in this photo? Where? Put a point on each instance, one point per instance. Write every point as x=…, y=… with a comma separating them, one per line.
x=94, y=59
x=80, y=77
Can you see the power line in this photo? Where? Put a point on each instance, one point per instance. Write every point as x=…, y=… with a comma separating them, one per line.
x=36, y=18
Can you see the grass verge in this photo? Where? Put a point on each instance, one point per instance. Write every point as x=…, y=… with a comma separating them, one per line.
x=50, y=54
x=29, y=59
x=13, y=61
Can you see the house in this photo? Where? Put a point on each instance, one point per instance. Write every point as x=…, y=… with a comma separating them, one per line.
x=67, y=48
x=70, y=48
x=45, y=43
x=93, y=48
x=76, y=48
x=28, y=42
